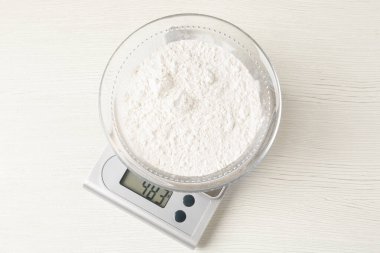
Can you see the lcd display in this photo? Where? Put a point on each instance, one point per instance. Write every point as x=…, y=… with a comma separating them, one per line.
x=151, y=192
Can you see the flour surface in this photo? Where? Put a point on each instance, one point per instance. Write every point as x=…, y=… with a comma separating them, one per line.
x=190, y=109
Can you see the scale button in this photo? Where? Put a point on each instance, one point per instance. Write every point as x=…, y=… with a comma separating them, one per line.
x=180, y=216
x=188, y=200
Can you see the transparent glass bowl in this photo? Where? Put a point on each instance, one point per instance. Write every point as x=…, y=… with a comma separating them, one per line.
x=153, y=36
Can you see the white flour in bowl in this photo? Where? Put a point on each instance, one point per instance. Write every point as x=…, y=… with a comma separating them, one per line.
x=190, y=109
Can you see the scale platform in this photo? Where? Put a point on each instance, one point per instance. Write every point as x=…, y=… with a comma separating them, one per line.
x=182, y=215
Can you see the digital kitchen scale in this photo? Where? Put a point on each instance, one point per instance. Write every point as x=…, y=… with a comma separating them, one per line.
x=182, y=215
x=182, y=206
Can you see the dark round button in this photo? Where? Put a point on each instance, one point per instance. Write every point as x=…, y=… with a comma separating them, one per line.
x=188, y=200
x=180, y=216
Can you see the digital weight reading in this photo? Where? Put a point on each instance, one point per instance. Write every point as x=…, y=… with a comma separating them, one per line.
x=151, y=192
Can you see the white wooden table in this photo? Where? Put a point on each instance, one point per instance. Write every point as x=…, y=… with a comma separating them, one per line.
x=318, y=190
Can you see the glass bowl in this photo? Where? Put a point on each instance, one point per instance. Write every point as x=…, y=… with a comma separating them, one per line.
x=153, y=36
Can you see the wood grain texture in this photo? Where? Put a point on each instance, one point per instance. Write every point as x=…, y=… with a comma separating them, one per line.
x=318, y=190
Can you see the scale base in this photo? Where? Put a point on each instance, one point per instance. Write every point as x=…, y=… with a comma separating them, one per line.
x=105, y=181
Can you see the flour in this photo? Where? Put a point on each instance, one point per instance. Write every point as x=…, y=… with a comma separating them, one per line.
x=190, y=109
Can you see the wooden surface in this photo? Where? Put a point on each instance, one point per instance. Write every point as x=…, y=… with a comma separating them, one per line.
x=318, y=190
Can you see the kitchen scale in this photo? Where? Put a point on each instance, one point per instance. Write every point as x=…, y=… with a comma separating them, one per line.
x=178, y=205
x=183, y=215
